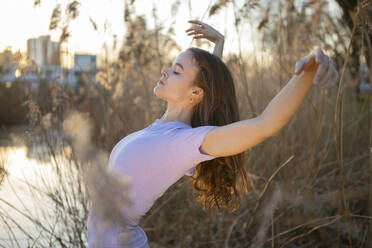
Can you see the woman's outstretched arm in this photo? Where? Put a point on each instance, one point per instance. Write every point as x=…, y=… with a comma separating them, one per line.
x=313, y=69
x=242, y=135
x=203, y=30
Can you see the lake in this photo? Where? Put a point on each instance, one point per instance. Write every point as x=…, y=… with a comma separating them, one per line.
x=40, y=198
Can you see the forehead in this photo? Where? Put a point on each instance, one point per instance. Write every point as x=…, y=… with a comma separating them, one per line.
x=187, y=61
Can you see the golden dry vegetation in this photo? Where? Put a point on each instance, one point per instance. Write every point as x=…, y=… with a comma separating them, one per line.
x=308, y=184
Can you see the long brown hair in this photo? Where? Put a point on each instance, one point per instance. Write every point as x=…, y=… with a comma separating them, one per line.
x=216, y=180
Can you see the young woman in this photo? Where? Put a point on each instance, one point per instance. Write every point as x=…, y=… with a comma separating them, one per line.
x=200, y=134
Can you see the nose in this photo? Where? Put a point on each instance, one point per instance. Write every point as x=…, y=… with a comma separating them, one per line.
x=164, y=73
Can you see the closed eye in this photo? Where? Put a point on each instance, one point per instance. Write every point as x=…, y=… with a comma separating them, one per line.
x=175, y=72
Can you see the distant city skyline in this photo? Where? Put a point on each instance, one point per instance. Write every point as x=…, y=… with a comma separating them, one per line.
x=46, y=60
x=44, y=52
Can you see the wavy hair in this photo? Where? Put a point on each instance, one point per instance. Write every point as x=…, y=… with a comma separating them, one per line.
x=216, y=181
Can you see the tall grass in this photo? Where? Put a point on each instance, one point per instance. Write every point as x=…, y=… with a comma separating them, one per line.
x=303, y=181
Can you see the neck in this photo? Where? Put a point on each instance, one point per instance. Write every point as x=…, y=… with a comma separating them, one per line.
x=178, y=113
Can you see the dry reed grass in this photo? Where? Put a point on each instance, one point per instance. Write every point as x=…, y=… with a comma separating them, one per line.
x=308, y=183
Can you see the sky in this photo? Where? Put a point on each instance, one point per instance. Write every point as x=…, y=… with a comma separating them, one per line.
x=20, y=20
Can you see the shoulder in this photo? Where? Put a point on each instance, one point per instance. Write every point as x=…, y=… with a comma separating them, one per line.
x=187, y=142
x=191, y=132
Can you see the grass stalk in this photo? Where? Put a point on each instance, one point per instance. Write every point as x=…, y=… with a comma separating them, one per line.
x=338, y=127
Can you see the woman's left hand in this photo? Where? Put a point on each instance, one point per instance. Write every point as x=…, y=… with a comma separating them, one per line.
x=318, y=63
x=203, y=30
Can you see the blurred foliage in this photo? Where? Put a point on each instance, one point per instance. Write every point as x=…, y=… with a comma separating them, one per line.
x=361, y=45
x=59, y=21
x=295, y=188
x=12, y=109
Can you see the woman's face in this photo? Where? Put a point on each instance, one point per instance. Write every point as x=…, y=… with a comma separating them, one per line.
x=176, y=83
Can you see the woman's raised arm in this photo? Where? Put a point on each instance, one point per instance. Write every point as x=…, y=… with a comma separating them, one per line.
x=239, y=136
x=203, y=30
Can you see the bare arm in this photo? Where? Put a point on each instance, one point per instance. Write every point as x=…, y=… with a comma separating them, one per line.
x=239, y=136
x=218, y=48
x=285, y=104
x=203, y=30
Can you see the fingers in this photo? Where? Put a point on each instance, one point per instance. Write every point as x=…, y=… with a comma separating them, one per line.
x=332, y=76
x=194, y=34
x=199, y=37
x=299, y=66
x=198, y=30
x=200, y=25
x=326, y=72
x=304, y=63
x=319, y=55
x=195, y=29
x=204, y=31
x=323, y=67
x=319, y=63
x=196, y=22
x=328, y=75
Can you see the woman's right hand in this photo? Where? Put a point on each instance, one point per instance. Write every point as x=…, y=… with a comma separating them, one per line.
x=203, y=30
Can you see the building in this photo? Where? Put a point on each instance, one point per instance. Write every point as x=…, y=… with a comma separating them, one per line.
x=85, y=62
x=66, y=56
x=50, y=62
x=43, y=51
x=84, y=68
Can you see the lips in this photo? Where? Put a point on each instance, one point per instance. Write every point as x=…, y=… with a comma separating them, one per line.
x=161, y=82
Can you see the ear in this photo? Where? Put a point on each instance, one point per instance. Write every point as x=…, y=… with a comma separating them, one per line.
x=198, y=94
x=197, y=91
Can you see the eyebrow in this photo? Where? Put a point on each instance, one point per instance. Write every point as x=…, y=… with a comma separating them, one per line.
x=180, y=66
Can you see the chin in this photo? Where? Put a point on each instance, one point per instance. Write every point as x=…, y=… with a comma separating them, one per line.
x=156, y=93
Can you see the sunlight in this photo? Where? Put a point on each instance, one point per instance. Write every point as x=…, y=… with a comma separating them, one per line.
x=109, y=20
x=91, y=150
x=19, y=165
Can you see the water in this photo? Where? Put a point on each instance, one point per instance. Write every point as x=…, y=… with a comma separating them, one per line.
x=15, y=194
x=29, y=195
